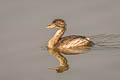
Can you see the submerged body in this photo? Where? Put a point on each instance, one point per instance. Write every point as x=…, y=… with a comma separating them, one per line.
x=73, y=41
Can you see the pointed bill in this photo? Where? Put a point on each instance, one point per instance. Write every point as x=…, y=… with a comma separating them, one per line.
x=51, y=26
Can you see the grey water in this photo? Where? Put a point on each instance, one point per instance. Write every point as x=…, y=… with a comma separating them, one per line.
x=23, y=36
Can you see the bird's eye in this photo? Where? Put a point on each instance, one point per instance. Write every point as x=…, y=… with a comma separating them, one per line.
x=60, y=23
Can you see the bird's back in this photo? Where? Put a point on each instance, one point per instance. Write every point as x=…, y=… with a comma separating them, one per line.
x=73, y=41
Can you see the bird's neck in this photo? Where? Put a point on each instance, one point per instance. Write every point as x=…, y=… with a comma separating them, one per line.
x=56, y=37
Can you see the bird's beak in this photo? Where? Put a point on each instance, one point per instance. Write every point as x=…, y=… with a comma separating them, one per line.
x=54, y=68
x=51, y=26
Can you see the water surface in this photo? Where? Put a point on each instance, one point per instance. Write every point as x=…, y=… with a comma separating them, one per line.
x=23, y=33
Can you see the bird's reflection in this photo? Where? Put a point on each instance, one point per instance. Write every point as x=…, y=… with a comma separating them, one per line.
x=63, y=60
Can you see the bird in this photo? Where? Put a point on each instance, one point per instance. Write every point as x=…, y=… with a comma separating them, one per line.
x=67, y=42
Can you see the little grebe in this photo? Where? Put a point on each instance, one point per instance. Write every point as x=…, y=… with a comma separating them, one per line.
x=72, y=41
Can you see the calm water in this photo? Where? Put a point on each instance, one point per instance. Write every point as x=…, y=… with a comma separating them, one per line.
x=23, y=36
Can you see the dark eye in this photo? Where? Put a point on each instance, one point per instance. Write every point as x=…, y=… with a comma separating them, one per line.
x=59, y=22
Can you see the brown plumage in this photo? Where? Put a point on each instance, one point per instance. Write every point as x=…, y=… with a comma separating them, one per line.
x=73, y=41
